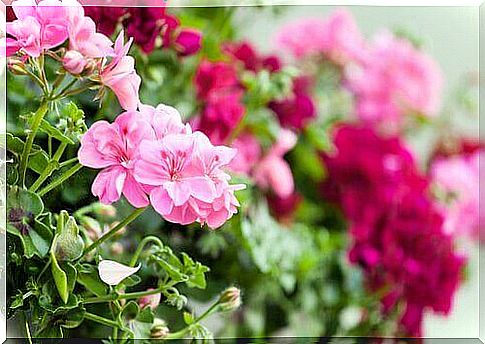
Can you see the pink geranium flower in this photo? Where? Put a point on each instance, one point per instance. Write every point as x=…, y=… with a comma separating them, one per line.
x=114, y=148
x=458, y=177
x=38, y=26
x=395, y=80
x=336, y=37
x=120, y=75
x=273, y=172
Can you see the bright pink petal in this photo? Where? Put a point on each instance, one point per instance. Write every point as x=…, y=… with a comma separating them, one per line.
x=108, y=184
x=134, y=192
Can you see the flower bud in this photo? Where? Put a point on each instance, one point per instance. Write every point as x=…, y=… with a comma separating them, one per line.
x=92, y=227
x=74, y=62
x=116, y=249
x=230, y=299
x=16, y=66
x=68, y=245
x=106, y=210
x=159, y=329
x=188, y=42
x=151, y=301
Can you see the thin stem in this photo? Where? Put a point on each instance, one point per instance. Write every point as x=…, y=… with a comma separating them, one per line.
x=100, y=320
x=36, y=79
x=180, y=334
x=142, y=245
x=112, y=232
x=65, y=89
x=68, y=162
x=51, y=167
x=127, y=296
x=37, y=119
x=66, y=175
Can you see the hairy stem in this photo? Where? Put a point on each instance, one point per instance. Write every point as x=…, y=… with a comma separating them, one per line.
x=100, y=320
x=66, y=175
x=114, y=230
x=51, y=167
x=127, y=296
x=181, y=334
x=142, y=245
x=37, y=119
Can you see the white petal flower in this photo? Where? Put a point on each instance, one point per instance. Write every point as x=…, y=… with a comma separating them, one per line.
x=113, y=273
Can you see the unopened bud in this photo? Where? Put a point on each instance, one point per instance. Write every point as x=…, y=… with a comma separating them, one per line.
x=74, y=62
x=106, y=210
x=159, y=329
x=116, y=249
x=230, y=299
x=17, y=66
x=151, y=301
x=68, y=245
x=92, y=227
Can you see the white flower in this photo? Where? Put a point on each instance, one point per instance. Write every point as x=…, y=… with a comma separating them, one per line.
x=113, y=273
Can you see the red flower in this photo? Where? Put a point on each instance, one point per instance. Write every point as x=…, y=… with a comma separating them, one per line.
x=105, y=17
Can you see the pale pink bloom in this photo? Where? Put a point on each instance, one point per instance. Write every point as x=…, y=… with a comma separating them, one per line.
x=151, y=301
x=458, y=177
x=273, y=172
x=169, y=164
x=248, y=154
x=336, y=37
x=114, y=148
x=74, y=62
x=38, y=27
x=112, y=273
x=165, y=120
x=83, y=36
x=395, y=79
x=120, y=75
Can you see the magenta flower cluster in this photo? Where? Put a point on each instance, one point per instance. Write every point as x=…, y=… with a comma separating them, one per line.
x=397, y=231
x=151, y=157
x=146, y=25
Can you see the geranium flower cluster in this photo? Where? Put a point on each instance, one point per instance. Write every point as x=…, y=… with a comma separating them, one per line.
x=47, y=25
x=147, y=26
x=151, y=157
x=395, y=79
x=219, y=90
x=397, y=231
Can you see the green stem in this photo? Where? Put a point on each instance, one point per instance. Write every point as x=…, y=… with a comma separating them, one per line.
x=100, y=320
x=142, y=245
x=37, y=119
x=66, y=175
x=65, y=89
x=51, y=167
x=67, y=162
x=112, y=232
x=127, y=296
x=181, y=334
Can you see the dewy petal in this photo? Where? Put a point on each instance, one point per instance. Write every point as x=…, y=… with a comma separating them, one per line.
x=108, y=184
x=113, y=273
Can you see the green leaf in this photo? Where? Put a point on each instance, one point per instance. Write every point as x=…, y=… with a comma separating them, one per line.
x=60, y=278
x=23, y=211
x=38, y=158
x=138, y=323
x=53, y=132
x=188, y=318
x=88, y=276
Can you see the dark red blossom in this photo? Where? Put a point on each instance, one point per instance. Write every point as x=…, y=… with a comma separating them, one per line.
x=251, y=60
x=144, y=24
x=283, y=208
x=397, y=232
x=298, y=109
x=188, y=42
x=105, y=17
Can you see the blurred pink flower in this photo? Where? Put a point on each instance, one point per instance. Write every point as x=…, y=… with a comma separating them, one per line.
x=213, y=76
x=395, y=80
x=38, y=26
x=114, y=148
x=144, y=25
x=120, y=75
x=248, y=153
x=273, y=172
x=244, y=52
x=336, y=37
x=188, y=42
x=458, y=177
